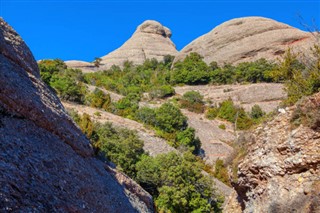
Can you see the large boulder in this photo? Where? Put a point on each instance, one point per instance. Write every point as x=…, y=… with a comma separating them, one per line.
x=150, y=40
x=248, y=39
x=46, y=163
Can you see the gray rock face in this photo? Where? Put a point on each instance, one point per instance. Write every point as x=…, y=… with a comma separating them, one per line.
x=248, y=39
x=46, y=163
x=281, y=172
x=150, y=40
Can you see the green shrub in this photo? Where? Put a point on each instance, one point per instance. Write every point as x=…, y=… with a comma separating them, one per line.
x=170, y=119
x=146, y=115
x=193, y=101
x=227, y=111
x=192, y=70
x=221, y=172
x=212, y=113
x=99, y=99
x=256, y=112
x=176, y=182
x=163, y=91
x=222, y=126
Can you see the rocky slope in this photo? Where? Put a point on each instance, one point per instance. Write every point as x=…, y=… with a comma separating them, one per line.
x=248, y=39
x=46, y=163
x=281, y=172
x=152, y=144
x=150, y=40
x=86, y=67
x=243, y=95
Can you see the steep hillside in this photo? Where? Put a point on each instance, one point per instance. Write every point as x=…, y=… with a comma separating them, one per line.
x=152, y=144
x=150, y=40
x=248, y=39
x=282, y=169
x=46, y=163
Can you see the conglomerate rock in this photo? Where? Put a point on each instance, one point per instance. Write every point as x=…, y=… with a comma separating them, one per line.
x=281, y=172
x=248, y=39
x=46, y=163
x=150, y=40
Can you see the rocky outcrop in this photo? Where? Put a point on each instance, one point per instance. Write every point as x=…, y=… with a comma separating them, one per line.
x=86, y=67
x=248, y=39
x=243, y=95
x=281, y=172
x=46, y=163
x=150, y=40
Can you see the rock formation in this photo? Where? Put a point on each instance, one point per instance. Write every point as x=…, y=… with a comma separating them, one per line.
x=150, y=40
x=248, y=39
x=281, y=172
x=245, y=96
x=86, y=67
x=46, y=163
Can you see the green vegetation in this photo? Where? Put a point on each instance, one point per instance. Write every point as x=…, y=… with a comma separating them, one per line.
x=98, y=99
x=222, y=126
x=301, y=79
x=193, y=101
x=221, y=172
x=170, y=124
x=176, y=182
x=192, y=70
x=237, y=115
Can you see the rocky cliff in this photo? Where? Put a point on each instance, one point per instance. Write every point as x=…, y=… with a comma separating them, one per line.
x=281, y=172
x=46, y=163
x=248, y=39
x=150, y=40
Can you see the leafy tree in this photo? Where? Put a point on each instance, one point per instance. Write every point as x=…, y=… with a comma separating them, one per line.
x=177, y=183
x=187, y=138
x=122, y=147
x=97, y=62
x=49, y=67
x=146, y=115
x=170, y=119
x=99, y=99
x=192, y=70
x=227, y=111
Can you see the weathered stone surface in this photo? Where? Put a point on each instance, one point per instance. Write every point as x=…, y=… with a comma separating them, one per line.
x=281, y=172
x=86, y=67
x=248, y=39
x=243, y=95
x=152, y=144
x=46, y=163
x=150, y=40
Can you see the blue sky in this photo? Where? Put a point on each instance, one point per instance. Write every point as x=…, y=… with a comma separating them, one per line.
x=83, y=29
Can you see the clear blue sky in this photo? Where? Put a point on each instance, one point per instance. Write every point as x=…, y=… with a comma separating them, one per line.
x=83, y=29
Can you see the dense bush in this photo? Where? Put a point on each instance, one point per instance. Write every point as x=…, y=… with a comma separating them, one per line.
x=301, y=79
x=66, y=82
x=121, y=146
x=170, y=119
x=98, y=99
x=192, y=70
x=212, y=113
x=163, y=91
x=193, y=101
x=221, y=172
x=256, y=112
x=176, y=182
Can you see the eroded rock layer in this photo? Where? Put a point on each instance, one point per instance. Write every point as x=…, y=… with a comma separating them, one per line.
x=248, y=39
x=150, y=40
x=281, y=172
